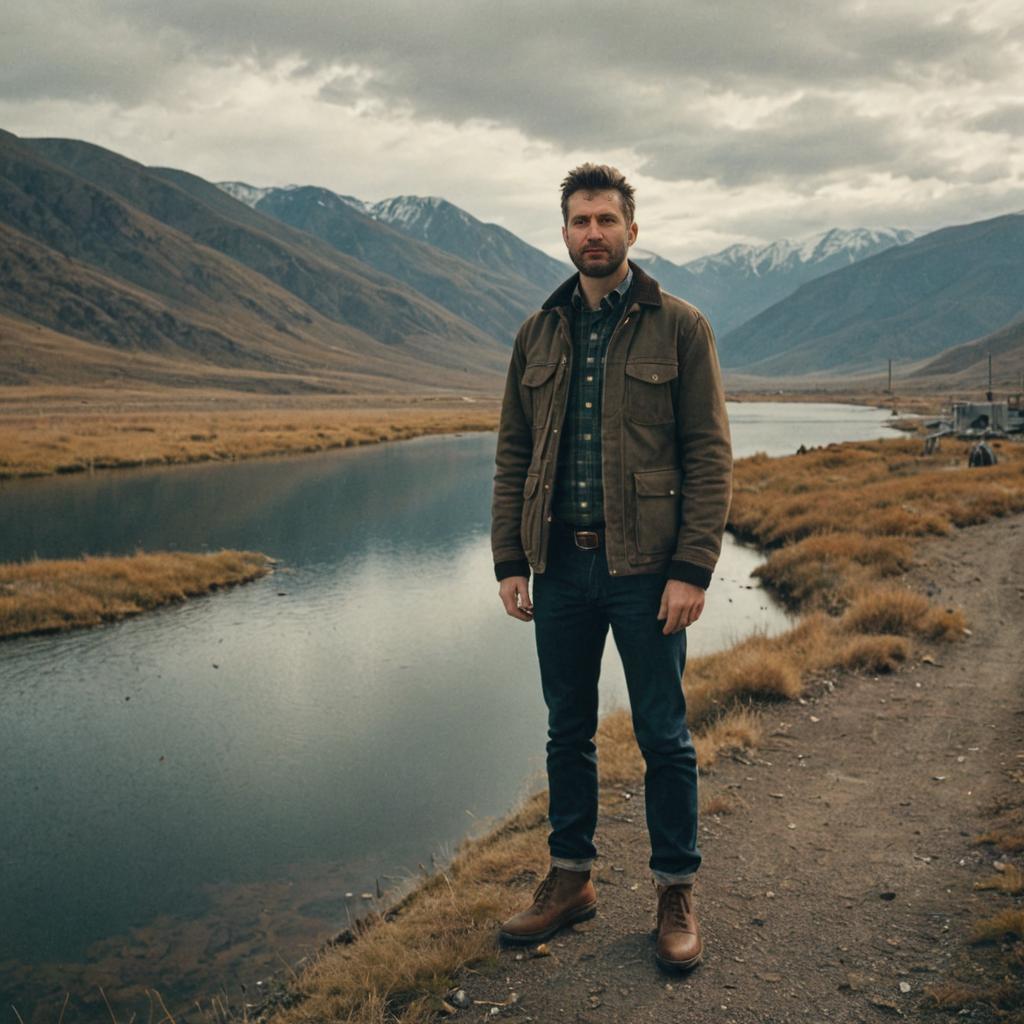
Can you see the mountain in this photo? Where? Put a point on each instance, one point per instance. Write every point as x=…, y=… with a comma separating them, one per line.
x=157, y=262
x=739, y=282
x=970, y=360
x=440, y=224
x=445, y=226
x=906, y=303
x=496, y=303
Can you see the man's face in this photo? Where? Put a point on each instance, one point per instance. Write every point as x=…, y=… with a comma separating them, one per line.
x=596, y=233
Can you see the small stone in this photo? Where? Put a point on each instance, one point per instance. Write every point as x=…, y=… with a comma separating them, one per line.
x=904, y=987
x=889, y=895
x=939, y=778
x=542, y=950
x=460, y=999
x=770, y=895
x=814, y=718
x=777, y=796
x=791, y=825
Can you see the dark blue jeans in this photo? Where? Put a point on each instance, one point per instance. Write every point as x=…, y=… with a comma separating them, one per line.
x=575, y=601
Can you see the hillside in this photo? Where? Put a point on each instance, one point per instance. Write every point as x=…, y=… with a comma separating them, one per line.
x=495, y=303
x=907, y=303
x=969, y=362
x=108, y=252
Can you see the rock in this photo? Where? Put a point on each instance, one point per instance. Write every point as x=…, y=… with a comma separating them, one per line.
x=904, y=987
x=459, y=999
x=542, y=950
x=889, y=896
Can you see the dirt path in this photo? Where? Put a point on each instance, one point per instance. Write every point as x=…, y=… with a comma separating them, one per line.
x=846, y=867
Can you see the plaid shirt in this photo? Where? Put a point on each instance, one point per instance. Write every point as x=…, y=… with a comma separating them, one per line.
x=579, y=486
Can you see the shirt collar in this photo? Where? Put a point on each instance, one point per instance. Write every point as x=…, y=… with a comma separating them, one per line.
x=609, y=301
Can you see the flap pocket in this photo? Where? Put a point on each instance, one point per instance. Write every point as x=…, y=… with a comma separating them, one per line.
x=530, y=487
x=658, y=483
x=537, y=374
x=652, y=373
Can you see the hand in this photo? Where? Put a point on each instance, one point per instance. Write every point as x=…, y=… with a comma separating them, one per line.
x=681, y=605
x=514, y=592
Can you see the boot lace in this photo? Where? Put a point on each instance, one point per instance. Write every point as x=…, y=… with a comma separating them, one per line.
x=544, y=891
x=675, y=905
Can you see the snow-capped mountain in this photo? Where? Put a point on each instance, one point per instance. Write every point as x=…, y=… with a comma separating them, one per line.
x=435, y=220
x=739, y=282
x=835, y=246
x=252, y=196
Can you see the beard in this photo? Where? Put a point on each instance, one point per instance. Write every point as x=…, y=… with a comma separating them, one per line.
x=593, y=264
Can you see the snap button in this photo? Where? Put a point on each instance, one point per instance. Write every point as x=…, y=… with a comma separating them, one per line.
x=654, y=376
x=671, y=492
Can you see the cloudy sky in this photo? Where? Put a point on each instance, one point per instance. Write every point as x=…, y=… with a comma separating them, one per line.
x=737, y=120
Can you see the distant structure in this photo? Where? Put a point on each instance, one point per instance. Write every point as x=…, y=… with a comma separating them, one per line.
x=977, y=421
x=988, y=419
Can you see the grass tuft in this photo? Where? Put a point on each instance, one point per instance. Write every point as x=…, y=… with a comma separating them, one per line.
x=1006, y=925
x=54, y=595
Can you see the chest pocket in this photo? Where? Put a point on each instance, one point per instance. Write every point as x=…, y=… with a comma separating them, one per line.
x=538, y=390
x=649, y=392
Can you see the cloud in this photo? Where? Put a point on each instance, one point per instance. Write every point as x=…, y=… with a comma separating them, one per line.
x=765, y=111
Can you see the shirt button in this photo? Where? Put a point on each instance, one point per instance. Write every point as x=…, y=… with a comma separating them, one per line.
x=583, y=483
x=593, y=335
x=589, y=377
x=588, y=405
x=654, y=376
x=583, y=504
x=587, y=437
x=614, y=571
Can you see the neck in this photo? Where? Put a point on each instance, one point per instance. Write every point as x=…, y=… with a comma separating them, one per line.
x=594, y=289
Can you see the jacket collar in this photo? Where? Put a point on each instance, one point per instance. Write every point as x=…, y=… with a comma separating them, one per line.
x=645, y=290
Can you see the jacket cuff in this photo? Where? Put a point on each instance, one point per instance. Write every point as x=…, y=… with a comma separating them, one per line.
x=690, y=572
x=517, y=567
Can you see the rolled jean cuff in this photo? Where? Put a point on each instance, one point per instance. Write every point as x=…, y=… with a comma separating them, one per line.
x=663, y=878
x=572, y=865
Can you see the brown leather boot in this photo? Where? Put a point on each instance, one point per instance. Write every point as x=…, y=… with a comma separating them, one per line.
x=563, y=898
x=679, y=945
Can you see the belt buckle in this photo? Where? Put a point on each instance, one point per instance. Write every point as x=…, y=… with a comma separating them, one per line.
x=587, y=540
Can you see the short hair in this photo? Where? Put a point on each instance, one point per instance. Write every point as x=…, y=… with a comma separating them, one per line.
x=597, y=178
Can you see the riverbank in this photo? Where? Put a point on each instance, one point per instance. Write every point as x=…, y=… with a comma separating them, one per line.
x=49, y=596
x=45, y=432
x=862, y=618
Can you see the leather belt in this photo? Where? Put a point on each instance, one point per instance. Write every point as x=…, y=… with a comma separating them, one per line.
x=586, y=539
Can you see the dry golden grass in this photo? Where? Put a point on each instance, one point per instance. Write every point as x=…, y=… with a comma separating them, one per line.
x=1009, y=924
x=872, y=489
x=897, y=610
x=49, y=596
x=874, y=654
x=70, y=440
x=1010, y=881
x=822, y=570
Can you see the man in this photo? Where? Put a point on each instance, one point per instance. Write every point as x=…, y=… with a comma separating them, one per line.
x=613, y=483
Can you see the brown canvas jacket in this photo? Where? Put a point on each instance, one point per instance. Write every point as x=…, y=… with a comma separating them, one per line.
x=666, y=450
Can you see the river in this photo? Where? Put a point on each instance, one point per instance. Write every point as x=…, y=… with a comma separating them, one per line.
x=190, y=795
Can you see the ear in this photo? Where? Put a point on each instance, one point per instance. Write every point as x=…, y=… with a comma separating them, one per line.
x=632, y=233
x=565, y=236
